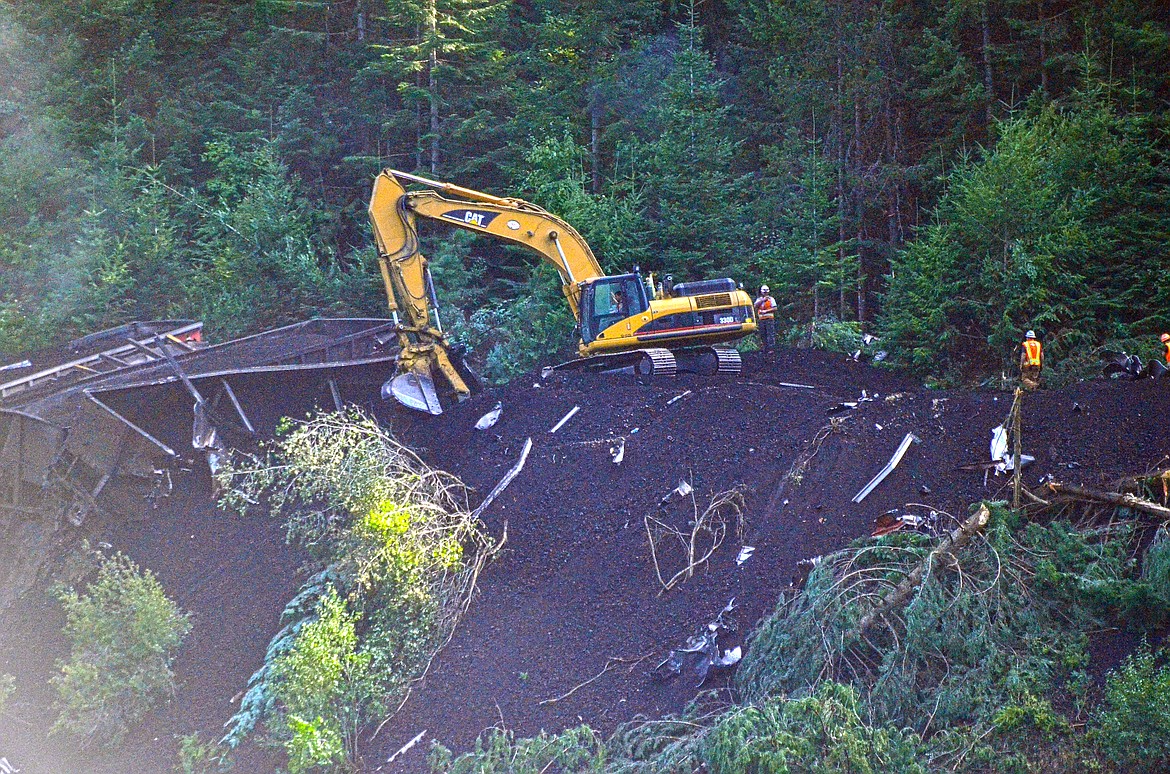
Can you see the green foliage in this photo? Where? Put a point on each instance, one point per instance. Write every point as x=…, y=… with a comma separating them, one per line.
x=398, y=551
x=498, y=751
x=199, y=757
x=324, y=688
x=612, y=223
x=1133, y=724
x=823, y=732
x=1156, y=564
x=124, y=634
x=829, y=334
x=688, y=152
x=964, y=646
x=1051, y=230
x=504, y=340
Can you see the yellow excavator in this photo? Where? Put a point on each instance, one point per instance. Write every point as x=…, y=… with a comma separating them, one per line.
x=625, y=322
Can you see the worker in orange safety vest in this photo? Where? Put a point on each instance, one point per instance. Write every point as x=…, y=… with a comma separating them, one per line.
x=1031, y=361
x=766, y=314
x=1166, y=346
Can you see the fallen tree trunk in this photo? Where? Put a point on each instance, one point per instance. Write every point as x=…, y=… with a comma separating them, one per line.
x=1110, y=498
x=953, y=541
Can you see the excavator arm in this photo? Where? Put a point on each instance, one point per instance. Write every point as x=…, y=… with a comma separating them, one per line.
x=394, y=214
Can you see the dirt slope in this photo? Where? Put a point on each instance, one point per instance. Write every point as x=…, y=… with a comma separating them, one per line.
x=575, y=586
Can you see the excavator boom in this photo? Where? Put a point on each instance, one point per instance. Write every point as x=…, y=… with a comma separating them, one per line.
x=620, y=322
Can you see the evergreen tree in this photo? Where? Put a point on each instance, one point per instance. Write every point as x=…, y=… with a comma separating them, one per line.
x=1057, y=227
x=444, y=66
x=693, y=197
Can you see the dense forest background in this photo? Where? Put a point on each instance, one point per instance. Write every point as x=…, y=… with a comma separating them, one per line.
x=944, y=173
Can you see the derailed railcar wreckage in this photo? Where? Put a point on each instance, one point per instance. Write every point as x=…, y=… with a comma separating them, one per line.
x=147, y=401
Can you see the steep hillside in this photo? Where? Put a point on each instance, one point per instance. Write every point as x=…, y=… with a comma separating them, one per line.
x=569, y=623
x=576, y=590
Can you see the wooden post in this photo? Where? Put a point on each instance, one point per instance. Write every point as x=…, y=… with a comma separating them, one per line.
x=1016, y=450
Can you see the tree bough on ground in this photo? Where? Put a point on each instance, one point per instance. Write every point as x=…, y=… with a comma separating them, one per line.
x=910, y=653
x=399, y=554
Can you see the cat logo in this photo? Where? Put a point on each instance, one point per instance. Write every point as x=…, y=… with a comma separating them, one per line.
x=476, y=218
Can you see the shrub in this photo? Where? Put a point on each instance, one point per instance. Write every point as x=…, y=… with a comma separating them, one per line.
x=821, y=732
x=199, y=757
x=498, y=751
x=324, y=688
x=124, y=633
x=1000, y=620
x=828, y=333
x=398, y=555
x=1134, y=725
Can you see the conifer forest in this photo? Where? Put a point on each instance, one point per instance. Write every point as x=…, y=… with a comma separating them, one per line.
x=277, y=494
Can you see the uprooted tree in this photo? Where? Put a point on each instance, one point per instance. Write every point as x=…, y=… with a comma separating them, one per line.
x=914, y=652
x=398, y=553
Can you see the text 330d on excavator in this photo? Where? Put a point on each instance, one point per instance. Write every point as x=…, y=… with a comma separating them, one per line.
x=625, y=323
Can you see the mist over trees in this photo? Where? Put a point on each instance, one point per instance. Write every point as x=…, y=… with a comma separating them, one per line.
x=946, y=173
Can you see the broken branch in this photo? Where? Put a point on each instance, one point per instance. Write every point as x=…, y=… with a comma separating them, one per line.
x=712, y=524
x=956, y=539
x=1110, y=498
x=609, y=663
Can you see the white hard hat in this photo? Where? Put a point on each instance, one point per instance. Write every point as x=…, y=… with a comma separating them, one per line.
x=1030, y=335
x=763, y=288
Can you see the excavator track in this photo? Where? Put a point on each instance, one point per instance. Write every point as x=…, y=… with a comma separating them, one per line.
x=657, y=362
x=729, y=360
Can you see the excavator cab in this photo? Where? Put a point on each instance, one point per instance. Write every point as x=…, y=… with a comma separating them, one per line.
x=609, y=300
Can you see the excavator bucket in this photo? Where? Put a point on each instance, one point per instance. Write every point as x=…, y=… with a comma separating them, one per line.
x=414, y=390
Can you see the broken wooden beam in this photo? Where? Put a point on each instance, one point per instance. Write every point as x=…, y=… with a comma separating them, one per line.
x=1109, y=498
x=507, y=479
x=953, y=541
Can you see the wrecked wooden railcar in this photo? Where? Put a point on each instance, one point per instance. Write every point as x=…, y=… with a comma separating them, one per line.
x=105, y=423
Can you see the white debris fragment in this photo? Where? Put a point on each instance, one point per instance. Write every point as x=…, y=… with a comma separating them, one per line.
x=544, y=372
x=683, y=489
x=618, y=452
x=879, y=427
x=731, y=657
x=745, y=553
x=999, y=452
x=565, y=419
x=677, y=398
x=489, y=419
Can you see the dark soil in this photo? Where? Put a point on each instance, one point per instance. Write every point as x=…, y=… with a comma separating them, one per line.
x=575, y=586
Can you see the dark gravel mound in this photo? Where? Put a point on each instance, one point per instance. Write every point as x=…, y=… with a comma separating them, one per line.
x=575, y=588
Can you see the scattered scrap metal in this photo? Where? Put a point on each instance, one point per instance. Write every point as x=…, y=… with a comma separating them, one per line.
x=565, y=419
x=1122, y=365
x=489, y=419
x=706, y=645
x=889, y=468
x=895, y=520
x=682, y=490
x=507, y=479
x=745, y=553
x=849, y=405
